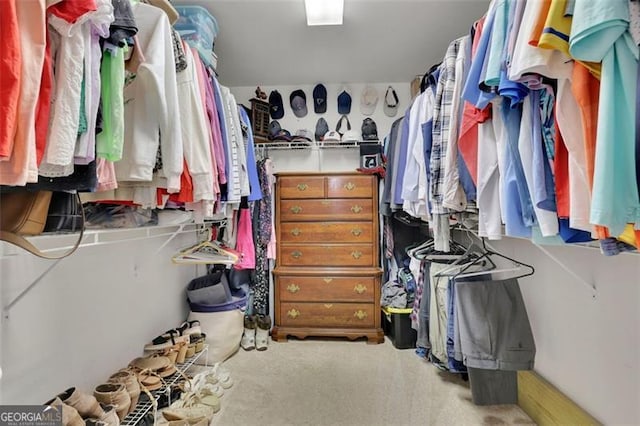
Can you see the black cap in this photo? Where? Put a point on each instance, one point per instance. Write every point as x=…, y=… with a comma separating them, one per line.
x=320, y=99
x=276, y=108
x=322, y=127
x=369, y=130
x=298, y=102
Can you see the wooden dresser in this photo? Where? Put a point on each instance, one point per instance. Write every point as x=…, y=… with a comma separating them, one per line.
x=327, y=275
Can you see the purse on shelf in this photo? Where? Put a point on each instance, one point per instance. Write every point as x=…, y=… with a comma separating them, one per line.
x=25, y=213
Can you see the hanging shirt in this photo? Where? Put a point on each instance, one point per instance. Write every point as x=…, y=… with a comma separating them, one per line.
x=22, y=166
x=254, y=182
x=600, y=32
x=68, y=52
x=151, y=106
x=442, y=125
x=96, y=27
x=454, y=197
x=402, y=159
x=527, y=59
x=518, y=209
x=488, y=187
x=110, y=141
x=546, y=220
x=10, y=69
x=194, y=133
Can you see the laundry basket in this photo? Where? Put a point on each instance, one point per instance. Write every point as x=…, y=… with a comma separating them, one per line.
x=221, y=318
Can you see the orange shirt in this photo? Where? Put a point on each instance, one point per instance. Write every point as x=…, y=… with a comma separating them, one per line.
x=10, y=72
x=586, y=90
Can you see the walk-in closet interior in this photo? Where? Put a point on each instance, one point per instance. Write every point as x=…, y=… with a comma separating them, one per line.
x=235, y=211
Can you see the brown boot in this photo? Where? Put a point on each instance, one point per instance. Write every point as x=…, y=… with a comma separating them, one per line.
x=70, y=416
x=86, y=405
x=129, y=379
x=114, y=394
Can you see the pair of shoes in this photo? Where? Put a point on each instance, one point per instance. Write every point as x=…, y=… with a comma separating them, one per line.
x=129, y=379
x=86, y=405
x=70, y=416
x=256, y=332
x=114, y=394
x=248, y=341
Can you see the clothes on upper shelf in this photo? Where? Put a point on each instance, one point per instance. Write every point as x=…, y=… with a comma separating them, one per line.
x=110, y=83
x=530, y=123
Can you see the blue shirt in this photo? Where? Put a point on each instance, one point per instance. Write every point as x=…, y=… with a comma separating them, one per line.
x=516, y=199
x=223, y=127
x=252, y=168
x=544, y=193
x=402, y=158
x=471, y=91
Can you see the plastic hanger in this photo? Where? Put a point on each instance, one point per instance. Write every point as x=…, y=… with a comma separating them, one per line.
x=206, y=252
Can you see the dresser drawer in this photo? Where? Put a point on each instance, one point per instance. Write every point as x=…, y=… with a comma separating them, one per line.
x=322, y=210
x=301, y=187
x=338, y=232
x=326, y=289
x=327, y=314
x=327, y=255
x=349, y=186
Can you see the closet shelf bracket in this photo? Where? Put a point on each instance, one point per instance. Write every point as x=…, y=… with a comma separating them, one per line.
x=590, y=286
x=7, y=308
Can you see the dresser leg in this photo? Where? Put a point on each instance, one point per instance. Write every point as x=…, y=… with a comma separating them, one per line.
x=278, y=337
x=374, y=339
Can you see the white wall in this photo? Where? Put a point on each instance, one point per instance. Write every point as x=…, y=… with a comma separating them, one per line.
x=327, y=159
x=88, y=317
x=588, y=347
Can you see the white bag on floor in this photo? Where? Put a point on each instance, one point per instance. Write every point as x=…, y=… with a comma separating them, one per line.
x=224, y=331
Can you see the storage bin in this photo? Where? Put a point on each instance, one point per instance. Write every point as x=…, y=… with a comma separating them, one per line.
x=397, y=325
x=198, y=28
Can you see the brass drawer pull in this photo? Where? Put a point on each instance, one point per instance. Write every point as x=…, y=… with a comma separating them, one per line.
x=356, y=232
x=356, y=254
x=356, y=209
x=302, y=187
x=328, y=305
x=296, y=254
x=327, y=280
x=293, y=288
x=296, y=232
x=296, y=209
x=359, y=288
x=360, y=314
x=325, y=202
x=293, y=313
x=349, y=186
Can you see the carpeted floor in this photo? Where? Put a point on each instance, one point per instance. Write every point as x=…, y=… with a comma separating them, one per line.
x=337, y=382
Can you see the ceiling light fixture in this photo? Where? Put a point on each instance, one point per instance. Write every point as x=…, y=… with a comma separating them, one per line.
x=324, y=12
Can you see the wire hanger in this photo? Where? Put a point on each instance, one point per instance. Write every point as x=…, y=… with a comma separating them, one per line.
x=518, y=265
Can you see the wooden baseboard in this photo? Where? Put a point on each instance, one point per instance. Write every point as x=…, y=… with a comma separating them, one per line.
x=546, y=405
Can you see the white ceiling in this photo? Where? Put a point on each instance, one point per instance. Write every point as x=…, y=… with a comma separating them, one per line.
x=267, y=42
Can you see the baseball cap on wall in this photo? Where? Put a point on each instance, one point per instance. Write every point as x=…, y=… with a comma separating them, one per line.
x=298, y=103
x=368, y=100
x=322, y=127
x=391, y=102
x=320, y=99
x=369, y=130
x=276, y=108
x=344, y=103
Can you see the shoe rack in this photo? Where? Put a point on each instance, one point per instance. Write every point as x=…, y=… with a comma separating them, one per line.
x=145, y=405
